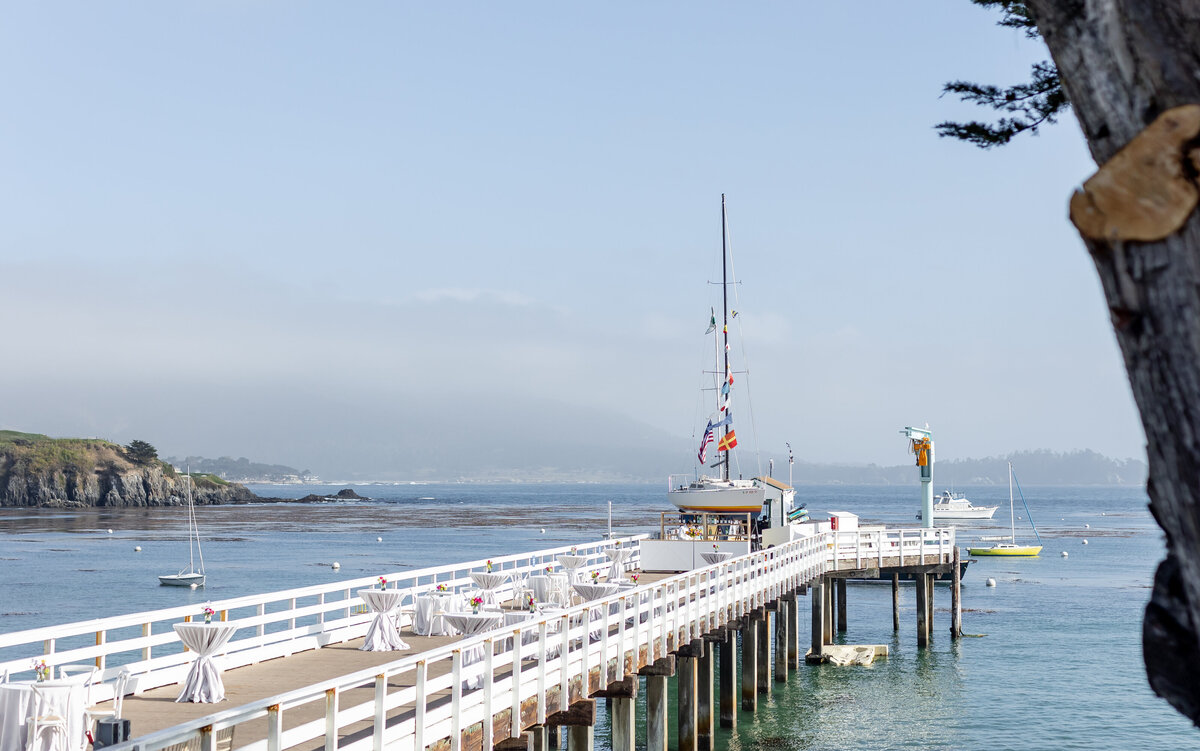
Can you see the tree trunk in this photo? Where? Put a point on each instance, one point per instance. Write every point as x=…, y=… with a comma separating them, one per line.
x=1123, y=63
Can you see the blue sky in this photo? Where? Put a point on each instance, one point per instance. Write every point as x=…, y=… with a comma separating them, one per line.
x=371, y=203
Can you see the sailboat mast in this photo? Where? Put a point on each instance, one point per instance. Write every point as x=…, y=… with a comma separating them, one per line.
x=191, y=522
x=725, y=317
x=1012, y=520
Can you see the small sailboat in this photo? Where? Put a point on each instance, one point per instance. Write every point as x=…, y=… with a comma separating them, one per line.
x=1011, y=547
x=190, y=576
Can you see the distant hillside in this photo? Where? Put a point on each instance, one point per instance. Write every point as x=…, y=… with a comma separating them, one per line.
x=1039, y=467
x=37, y=470
x=243, y=470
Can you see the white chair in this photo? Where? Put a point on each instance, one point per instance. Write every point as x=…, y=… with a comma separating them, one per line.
x=42, y=722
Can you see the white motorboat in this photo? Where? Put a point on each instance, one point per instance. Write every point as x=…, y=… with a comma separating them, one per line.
x=190, y=576
x=716, y=495
x=955, y=506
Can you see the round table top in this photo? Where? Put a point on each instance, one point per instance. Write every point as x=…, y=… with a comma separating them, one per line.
x=618, y=554
x=715, y=556
x=382, y=600
x=571, y=561
x=488, y=579
x=595, y=591
x=475, y=623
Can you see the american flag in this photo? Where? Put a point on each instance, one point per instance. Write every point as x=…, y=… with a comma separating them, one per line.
x=706, y=442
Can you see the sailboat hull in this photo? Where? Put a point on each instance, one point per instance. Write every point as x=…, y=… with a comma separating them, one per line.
x=1016, y=550
x=718, y=497
x=182, y=580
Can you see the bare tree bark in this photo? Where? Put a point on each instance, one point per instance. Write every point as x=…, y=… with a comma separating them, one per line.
x=1123, y=63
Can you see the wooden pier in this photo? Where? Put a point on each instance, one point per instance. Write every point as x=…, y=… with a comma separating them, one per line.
x=295, y=679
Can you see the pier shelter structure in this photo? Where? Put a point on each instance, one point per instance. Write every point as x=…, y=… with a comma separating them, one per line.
x=296, y=679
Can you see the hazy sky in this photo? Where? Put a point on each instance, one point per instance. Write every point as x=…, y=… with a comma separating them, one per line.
x=220, y=218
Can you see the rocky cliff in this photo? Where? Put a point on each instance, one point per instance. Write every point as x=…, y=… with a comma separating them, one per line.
x=68, y=472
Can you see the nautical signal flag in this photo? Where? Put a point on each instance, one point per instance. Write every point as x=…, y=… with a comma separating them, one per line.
x=712, y=322
x=728, y=442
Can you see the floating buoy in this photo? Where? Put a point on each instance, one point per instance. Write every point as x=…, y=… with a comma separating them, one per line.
x=1101, y=513
x=110, y=531
x=1087, y=526
x=337, y=565
x=991, y=582
x=1064, y=554
x=543, y=530
x=378, y=539
x=137, y=548
x=1085, y=542
x=194, y=585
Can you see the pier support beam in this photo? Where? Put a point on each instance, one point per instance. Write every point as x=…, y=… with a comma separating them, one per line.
x=956, y=597
x=793, y=624
x=554, y=736
x=763, y=669
x=729, y=674
x=704, y=696
x=817, y=644
x=929, y=580
x=749, y=661
x=895, y=602
x=827, y=627
x=781, y=642
x=580, y=738
x=656, y=713
x=540, y=735
x=622, y=722
x=922, y=611
x=841, y=605
x=685, y=686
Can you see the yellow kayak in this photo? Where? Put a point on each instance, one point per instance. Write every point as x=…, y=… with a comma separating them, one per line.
x=1007, y=548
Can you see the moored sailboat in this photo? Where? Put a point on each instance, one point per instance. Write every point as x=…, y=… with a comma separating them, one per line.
x=190, y=576
x=1011, y=547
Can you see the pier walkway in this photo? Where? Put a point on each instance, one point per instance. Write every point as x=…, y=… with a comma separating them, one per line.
x=295, y=679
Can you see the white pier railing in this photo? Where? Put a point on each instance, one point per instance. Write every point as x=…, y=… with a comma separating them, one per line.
x=540, y=666
x=271, y=625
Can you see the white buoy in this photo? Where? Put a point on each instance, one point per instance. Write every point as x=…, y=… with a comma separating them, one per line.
x=137, y=548
x=1064, y=554
x=543, y=530
x=194, y=585
x=991, y=582
x=1087, y=526
x=110, y=531
x=337, y=565
x=378, y=539
x=1085, y=542
x=1101, y=513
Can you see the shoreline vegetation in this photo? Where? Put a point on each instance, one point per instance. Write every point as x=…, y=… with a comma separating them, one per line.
x=37, y=470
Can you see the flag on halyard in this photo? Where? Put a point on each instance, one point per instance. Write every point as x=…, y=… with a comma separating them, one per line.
x=712, y=322
x=705, y=442
x=728, y=442
x=726, y=420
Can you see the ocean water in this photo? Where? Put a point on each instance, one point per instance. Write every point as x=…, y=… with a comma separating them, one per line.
x=1055, y=661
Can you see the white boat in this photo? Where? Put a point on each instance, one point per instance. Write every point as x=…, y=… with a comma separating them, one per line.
x=721, y=494
x=955, y=506
x=1011, y=547
x=190, y=576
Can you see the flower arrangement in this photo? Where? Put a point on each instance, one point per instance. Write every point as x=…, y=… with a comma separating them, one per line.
x=441, y=588
x=476, y=601
x=41, y=669
x=574, y=550
x=489, y=566
x=208, y=614
x=382, y=582
x=634, y=577
x=532, y=603
x=549, y=569
x=716, y=547
x=595, y=576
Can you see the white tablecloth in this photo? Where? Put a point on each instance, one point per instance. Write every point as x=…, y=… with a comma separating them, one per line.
x=64, y=698
x=383, y=636
x=618, y=556
x=489, y=582
x=204, y=682
x=595, y=591
x=472, y=658
x=428, y=620
x=549, y=588
x=715, y=556
x=572, y=563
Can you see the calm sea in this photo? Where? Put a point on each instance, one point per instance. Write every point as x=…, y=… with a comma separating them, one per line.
x=1056, y=663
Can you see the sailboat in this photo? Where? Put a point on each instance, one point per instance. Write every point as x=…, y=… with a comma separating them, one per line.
x=722, y=494
x=190, y=576
x=1011, y=547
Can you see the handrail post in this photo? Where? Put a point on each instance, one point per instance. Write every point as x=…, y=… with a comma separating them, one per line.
x=489, y=691
x=274, y=727
x=514, y=727
x=541, y=687
x=456, y=701
x=419, y=708
x=377, y=739
x=331, y=713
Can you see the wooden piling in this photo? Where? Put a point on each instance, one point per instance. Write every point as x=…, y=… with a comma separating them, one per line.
x=622, y=723
x=554, y=737
x=929, y=580
x=749, y=662
x=729, y=674
x=580, y=738
x=685, y=687
x=922, y=611
x=541, y=738
x=793, y=621
x=781, y=642
x=763, y=669
x=827, y=627
x=704, y=690
x=895, y=602
x=818, y=619
x=656, y=713
x=956, y=597
x=841, y=605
